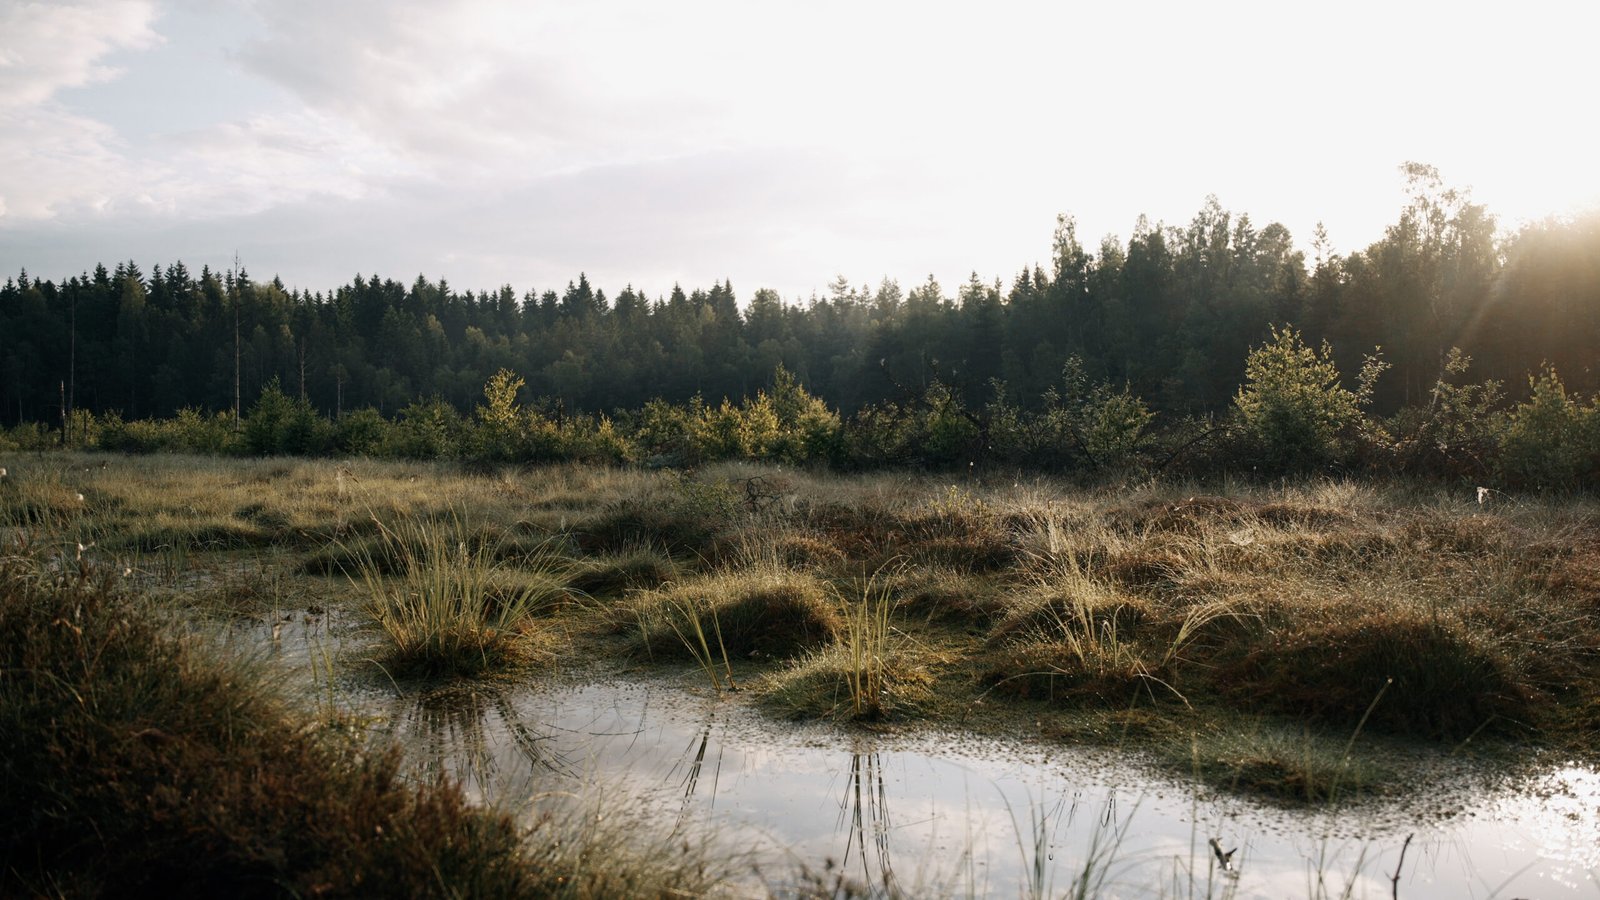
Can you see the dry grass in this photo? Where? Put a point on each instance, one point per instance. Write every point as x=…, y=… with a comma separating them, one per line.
x=749, y=614
x=1296, y=603
x=138, y=764
x=451, y=602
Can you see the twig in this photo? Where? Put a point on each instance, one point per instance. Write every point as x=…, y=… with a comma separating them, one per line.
x=1394, y=880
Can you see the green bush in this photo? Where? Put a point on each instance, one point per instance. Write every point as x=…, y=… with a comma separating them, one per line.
x=808, y=430
x=427, y=429
x=279, y=424
x=1292, y=407
x=1457, y=434
x=500, y=432
x=1550, y=438
x=364, y=432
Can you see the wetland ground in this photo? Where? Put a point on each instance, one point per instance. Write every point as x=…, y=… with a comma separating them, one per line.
x=1296, y=647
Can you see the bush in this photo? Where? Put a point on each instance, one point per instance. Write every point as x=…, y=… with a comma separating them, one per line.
x=1457, y=435
x=1550, y=438
x=427, y=429
x=500, y=434
x=364, y=432
x=279, y=424
x=807, y=429
x=1292, y=407
x=196, y=432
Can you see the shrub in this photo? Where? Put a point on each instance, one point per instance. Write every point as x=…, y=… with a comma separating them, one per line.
x=1550, y=437
x=1292, y=406
x=363, y=432
x=500, y=434
x=807, y=429
x=278, y=424
x=196, y=432
x=1457, y=434
x=427, y=429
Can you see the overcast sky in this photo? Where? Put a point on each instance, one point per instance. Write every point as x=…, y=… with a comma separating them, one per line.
x=775, y=144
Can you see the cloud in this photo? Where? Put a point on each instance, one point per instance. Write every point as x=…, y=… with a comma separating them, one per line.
x=776, y=144
x=473, y=87
x=54, y=45
x=53, y=161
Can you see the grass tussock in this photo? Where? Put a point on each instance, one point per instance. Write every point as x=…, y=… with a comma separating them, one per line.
x=679, y=514
x=752, y=614
x=615, y=574
x=1439, y=678
x=872, y=671
x=450, y=602
x=1076, y=637
x=947, y=596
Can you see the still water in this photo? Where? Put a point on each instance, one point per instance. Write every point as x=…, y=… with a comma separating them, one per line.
x=937, y=814
x=934, y=814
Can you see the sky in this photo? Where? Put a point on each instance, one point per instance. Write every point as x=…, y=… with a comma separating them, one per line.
x=772, y=144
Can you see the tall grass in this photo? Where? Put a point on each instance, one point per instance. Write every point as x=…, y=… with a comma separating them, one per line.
x=447, y=596
x=865, y=643
x=688, y=621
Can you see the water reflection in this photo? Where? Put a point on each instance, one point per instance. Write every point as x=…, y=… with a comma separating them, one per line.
x=475, y=735
x=865, y=808
x=691, y=777
x=941, y=815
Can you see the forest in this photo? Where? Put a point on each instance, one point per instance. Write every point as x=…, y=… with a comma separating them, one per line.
x=1169, y=317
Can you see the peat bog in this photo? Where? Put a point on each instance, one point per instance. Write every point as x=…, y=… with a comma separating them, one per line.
x=1312, y=645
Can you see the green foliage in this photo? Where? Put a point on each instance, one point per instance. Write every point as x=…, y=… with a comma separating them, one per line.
x=663, y=431
x=948, y=436
x=428, y=429
x=500, y=433
x=196, y=432
x=278, y=424
x=935, y=431
x=127, y=437
x=267, y=421
x=1457, y=434
x=1292, y=406
x=808, y=431
x=1102, y=423
x=1551, y=439
x=364, y=432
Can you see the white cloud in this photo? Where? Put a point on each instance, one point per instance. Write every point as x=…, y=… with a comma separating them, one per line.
x=53, y=45
x=52, y=161
x=775, y=143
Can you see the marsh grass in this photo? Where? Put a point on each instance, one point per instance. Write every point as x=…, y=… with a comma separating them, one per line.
x=747, y=614
x=140, y=763
x=612, y=575
x=448, y=601
x=688, y=619
x=871, y=671
x=1290, y=602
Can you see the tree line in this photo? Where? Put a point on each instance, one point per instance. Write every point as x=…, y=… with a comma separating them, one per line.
x=1169, y=315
